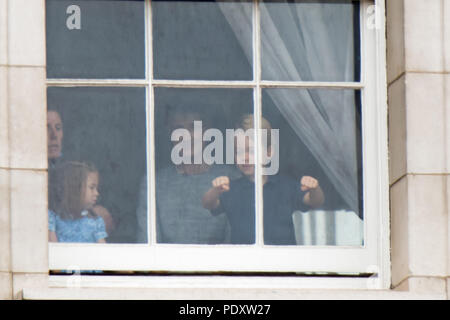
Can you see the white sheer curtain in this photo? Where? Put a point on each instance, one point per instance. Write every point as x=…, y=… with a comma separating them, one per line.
x=311, y=41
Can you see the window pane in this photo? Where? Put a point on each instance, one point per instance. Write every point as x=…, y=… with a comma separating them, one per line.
x=95, y=39
x=187, y=167
x=200, y=40
x=104, y=127
x=319, y=176
x=310, y=40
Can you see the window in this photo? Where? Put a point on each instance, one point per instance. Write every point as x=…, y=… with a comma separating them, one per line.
x=225, y=136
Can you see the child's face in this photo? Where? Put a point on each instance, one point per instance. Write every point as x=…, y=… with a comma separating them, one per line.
x=245, y=157
x=245, y=160
x=91, y=190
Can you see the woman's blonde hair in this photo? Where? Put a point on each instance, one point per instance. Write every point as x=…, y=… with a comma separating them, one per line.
x=67, y=187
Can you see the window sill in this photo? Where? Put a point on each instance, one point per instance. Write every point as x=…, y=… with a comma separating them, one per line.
x=214, y=288
x=217, y=294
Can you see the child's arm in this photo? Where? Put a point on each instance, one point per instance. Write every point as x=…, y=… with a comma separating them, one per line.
x=101, y=241
x=314, y=196
x=52, y=236
x=107, y=217
x=211, y=198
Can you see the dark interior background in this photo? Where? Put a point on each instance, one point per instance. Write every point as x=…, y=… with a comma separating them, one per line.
x=110, y=43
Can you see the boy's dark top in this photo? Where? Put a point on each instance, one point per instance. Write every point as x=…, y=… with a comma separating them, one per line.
x=282, y=196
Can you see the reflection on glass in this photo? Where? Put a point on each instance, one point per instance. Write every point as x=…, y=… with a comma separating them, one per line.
x=194, y=147
x=310, y=40
x=96, y=154
x=201, y=40
x=319, y=181
x=95, y=39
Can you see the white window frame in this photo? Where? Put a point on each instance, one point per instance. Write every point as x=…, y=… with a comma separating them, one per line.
x=371, y=259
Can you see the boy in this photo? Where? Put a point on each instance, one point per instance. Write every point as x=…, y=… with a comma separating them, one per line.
x=282, y=196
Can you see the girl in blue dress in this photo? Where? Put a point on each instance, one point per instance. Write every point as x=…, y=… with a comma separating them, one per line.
x=73, y=192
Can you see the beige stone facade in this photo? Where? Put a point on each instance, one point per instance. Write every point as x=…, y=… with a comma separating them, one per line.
x=418, y=65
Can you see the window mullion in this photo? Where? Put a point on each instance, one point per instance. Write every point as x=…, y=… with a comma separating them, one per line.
x=259, y=232
x=151, y=197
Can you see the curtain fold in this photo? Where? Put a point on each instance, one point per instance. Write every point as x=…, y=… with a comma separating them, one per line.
x=311, y=41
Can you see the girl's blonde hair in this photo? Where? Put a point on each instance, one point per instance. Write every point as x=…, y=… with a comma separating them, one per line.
x=67, y=187
x=246, y=122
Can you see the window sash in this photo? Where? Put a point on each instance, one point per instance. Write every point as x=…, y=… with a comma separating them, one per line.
x=372, y=257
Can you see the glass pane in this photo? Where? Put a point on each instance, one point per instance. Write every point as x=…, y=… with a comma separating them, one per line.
x=315, y=196
x=103, y=127
x=199, y=40
x=310, y=40
x=195, y=151
x=95, y=39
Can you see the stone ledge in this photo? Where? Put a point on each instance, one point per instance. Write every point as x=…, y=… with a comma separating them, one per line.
x=220, y=294
x=5, y=285
x=423, y=284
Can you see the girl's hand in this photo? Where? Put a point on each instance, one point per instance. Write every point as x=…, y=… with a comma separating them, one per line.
x=308, y=183
x=221, y=184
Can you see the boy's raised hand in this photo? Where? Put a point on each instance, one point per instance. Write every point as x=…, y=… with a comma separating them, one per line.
x=222, y=184
x=308, y=183
x=211, y=199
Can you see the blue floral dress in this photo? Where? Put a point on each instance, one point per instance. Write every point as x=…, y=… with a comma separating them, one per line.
x=85, y=229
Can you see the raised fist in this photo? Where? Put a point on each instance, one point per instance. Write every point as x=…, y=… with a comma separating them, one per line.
x=308, y=183
x=222, y=184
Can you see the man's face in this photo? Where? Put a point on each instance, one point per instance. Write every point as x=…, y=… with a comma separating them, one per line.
x=186, y=121
x=54, y=134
